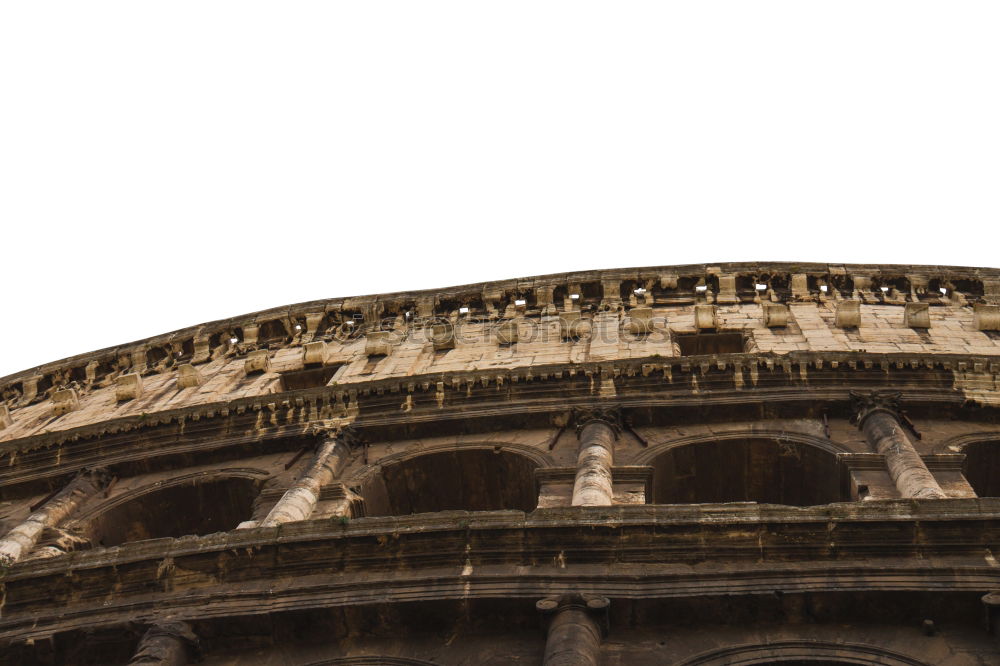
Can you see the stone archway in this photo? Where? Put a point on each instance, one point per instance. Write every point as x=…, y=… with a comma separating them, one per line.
x=747, y=469
x=474, y=479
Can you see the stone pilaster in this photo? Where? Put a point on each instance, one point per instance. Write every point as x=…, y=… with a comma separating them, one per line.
x=577, y=624
x=300, y=500
x=597, y=430
x=22, y=538
x=167, y=644
x=877, y=415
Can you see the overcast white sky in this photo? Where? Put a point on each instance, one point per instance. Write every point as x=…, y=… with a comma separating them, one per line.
x=168, y=163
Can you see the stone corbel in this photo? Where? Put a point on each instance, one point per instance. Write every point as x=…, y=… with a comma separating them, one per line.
x=30, y=386
x=257, y=362
x=705, y=317
x=128, y=387
x=727, y=289
x=202, y=348
x=572, y=325
x=775, y=315
x=188, y=376
x=313, y=320
x=917, y=315
x=251, y=332
x=314, y=353
x=800, y=287
x=506, y=332
x=848, y=314
x=64, y=401
x=442, y=335
x=611, y=294
x=640, y=320
x=378, y=343
x=991, y=291
x=987, y=317
x=491, y=297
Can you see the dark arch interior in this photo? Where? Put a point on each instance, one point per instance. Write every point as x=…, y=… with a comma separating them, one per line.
x=471, y=480
x=191, y=508
x=982, y=468
x=747, y=470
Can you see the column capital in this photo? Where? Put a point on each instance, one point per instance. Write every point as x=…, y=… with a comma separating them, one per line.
x=347, y=434
x=593, y=604
x=864, y=405
x=610, y=416
x=99, y=476
x=991, y=607
x=167, y=642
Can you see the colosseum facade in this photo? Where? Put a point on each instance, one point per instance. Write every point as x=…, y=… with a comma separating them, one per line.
x=754, y=463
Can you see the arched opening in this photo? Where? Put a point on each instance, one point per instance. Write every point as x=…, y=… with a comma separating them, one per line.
x=803, y=653
x=473, y=480
x=747, y=470
x=206, y=507
x=982, y=467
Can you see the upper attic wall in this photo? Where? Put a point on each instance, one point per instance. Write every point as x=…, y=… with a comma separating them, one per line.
x=576, y=318
x=665, y=284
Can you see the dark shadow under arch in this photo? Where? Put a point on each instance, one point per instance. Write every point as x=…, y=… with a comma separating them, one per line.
x=200, y=506
x=471, y=480
x=982, y=467
x=804, y=652
x=751, y=469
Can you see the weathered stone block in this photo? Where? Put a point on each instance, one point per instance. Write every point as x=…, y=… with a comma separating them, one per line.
x=313, y=321
x=250, y=334
x=378, y=343
x=727, y=290
x=704, y=316
x=314, y=353
x=800, y=286
x=640, y=321
x=775, y=315
x=987, y=317
x=202, y=350
x=442, y=336
x=506, y=332
x=257, y=361
x=5, y=419
x=128, y=387
x=571, y=324
x=848, y=314
x=917, y=315
x=65, y=401
x=188, y=376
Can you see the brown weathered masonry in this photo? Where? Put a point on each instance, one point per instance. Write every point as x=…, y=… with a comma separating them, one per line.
x=714, y=464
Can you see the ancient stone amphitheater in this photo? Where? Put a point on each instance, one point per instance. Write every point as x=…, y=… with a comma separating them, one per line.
x=730, y=464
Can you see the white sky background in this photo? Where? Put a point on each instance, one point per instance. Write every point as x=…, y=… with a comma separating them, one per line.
x=165, y=164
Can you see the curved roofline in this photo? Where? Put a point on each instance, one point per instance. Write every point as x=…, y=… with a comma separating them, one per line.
x=525, y=283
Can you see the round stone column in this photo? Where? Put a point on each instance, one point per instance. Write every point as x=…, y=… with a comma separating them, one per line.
x=598, y=433
x=877, y=415
x=576, y=627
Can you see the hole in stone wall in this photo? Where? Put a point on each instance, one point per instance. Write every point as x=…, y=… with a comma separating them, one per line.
x=747, y=470
x=982, y=468
x=474, y=480
x=699, y=344
x=295, y=380
x=192, y=508
x=272, y=331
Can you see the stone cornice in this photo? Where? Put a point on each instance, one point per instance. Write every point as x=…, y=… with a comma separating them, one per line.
x=790, y=279
x=739, y=549
x=540, y=390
